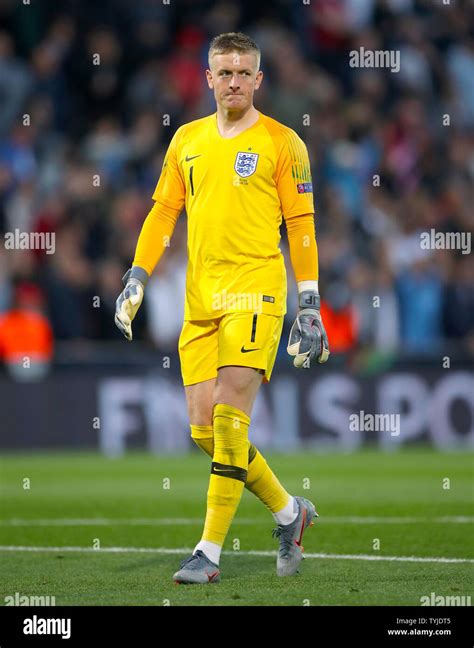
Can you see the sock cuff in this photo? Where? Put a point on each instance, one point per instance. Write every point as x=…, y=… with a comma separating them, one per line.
x=227, y=411
x=201, y=431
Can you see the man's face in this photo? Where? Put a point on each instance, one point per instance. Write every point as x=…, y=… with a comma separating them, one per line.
x=234, y=78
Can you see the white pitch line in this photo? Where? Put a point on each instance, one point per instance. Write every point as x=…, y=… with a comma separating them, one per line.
x=447, y=519
x=269, y=554
x=103, y=522
x=459, y=519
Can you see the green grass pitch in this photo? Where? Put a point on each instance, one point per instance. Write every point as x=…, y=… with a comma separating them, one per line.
x=416, y=503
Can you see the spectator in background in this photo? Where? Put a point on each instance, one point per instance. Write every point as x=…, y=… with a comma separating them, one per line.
x=458, y=303
x=420, y=292
x=375, y=305
x=17, y=153
x=26, y=339
x=337, y=311
x=15, y=84
x=386, y=323
x=289, y=97
x=68, y=283
x=184, y=69
x=461, y=67
x=103, y=80
x=6, y=287
x=106, y=147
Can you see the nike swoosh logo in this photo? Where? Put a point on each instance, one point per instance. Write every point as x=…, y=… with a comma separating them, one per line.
x=221, y=469
x=212, y=576
x=188, y=159
x=243, y=350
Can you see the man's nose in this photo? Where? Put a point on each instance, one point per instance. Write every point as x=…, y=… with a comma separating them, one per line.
x=234, y=82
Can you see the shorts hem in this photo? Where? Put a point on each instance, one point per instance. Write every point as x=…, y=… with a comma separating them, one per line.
x=188, y=383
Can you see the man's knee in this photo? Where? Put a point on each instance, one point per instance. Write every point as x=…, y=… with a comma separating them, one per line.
x=200, y=412
x=200, y=403
x=200, y=416
x=237, y=386
x=203, y=437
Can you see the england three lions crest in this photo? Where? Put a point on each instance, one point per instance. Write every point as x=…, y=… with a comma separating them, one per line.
x=245, y=164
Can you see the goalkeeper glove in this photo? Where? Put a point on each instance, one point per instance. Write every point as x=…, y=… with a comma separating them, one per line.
x=129, y=300
x=308, y=339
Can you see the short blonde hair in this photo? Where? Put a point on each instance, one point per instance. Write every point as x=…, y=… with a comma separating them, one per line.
x=234, y=42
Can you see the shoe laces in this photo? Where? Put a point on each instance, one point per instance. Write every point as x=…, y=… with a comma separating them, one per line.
x=286, y=540
x=188, y=560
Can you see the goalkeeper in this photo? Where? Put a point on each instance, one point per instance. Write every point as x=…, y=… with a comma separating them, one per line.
x=237, y=172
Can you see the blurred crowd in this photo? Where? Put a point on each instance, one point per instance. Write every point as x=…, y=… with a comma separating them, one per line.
x=82, y=144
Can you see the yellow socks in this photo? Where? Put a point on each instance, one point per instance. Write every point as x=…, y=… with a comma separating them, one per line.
x=261, y=481
x=228, y=471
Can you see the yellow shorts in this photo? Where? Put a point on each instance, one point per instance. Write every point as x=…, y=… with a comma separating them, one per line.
x=242, y=339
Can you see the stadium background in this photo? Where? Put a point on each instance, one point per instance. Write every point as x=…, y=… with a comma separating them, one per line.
x=409, y=353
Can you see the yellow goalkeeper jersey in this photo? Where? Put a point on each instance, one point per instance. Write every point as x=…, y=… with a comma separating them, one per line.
x=235, y=191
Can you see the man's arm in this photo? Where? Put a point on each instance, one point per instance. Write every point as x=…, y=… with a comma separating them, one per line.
x=308, y=337
x=154, y=238
x=303, y=247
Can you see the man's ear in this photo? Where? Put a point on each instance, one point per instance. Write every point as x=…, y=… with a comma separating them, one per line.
x=210, y=82
x=258, y=79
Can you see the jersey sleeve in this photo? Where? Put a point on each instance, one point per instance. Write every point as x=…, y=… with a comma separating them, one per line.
x=170, y=189
x=293, y=176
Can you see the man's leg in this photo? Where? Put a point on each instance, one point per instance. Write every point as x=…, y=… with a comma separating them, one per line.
x=261, y=481
x=235, y=391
